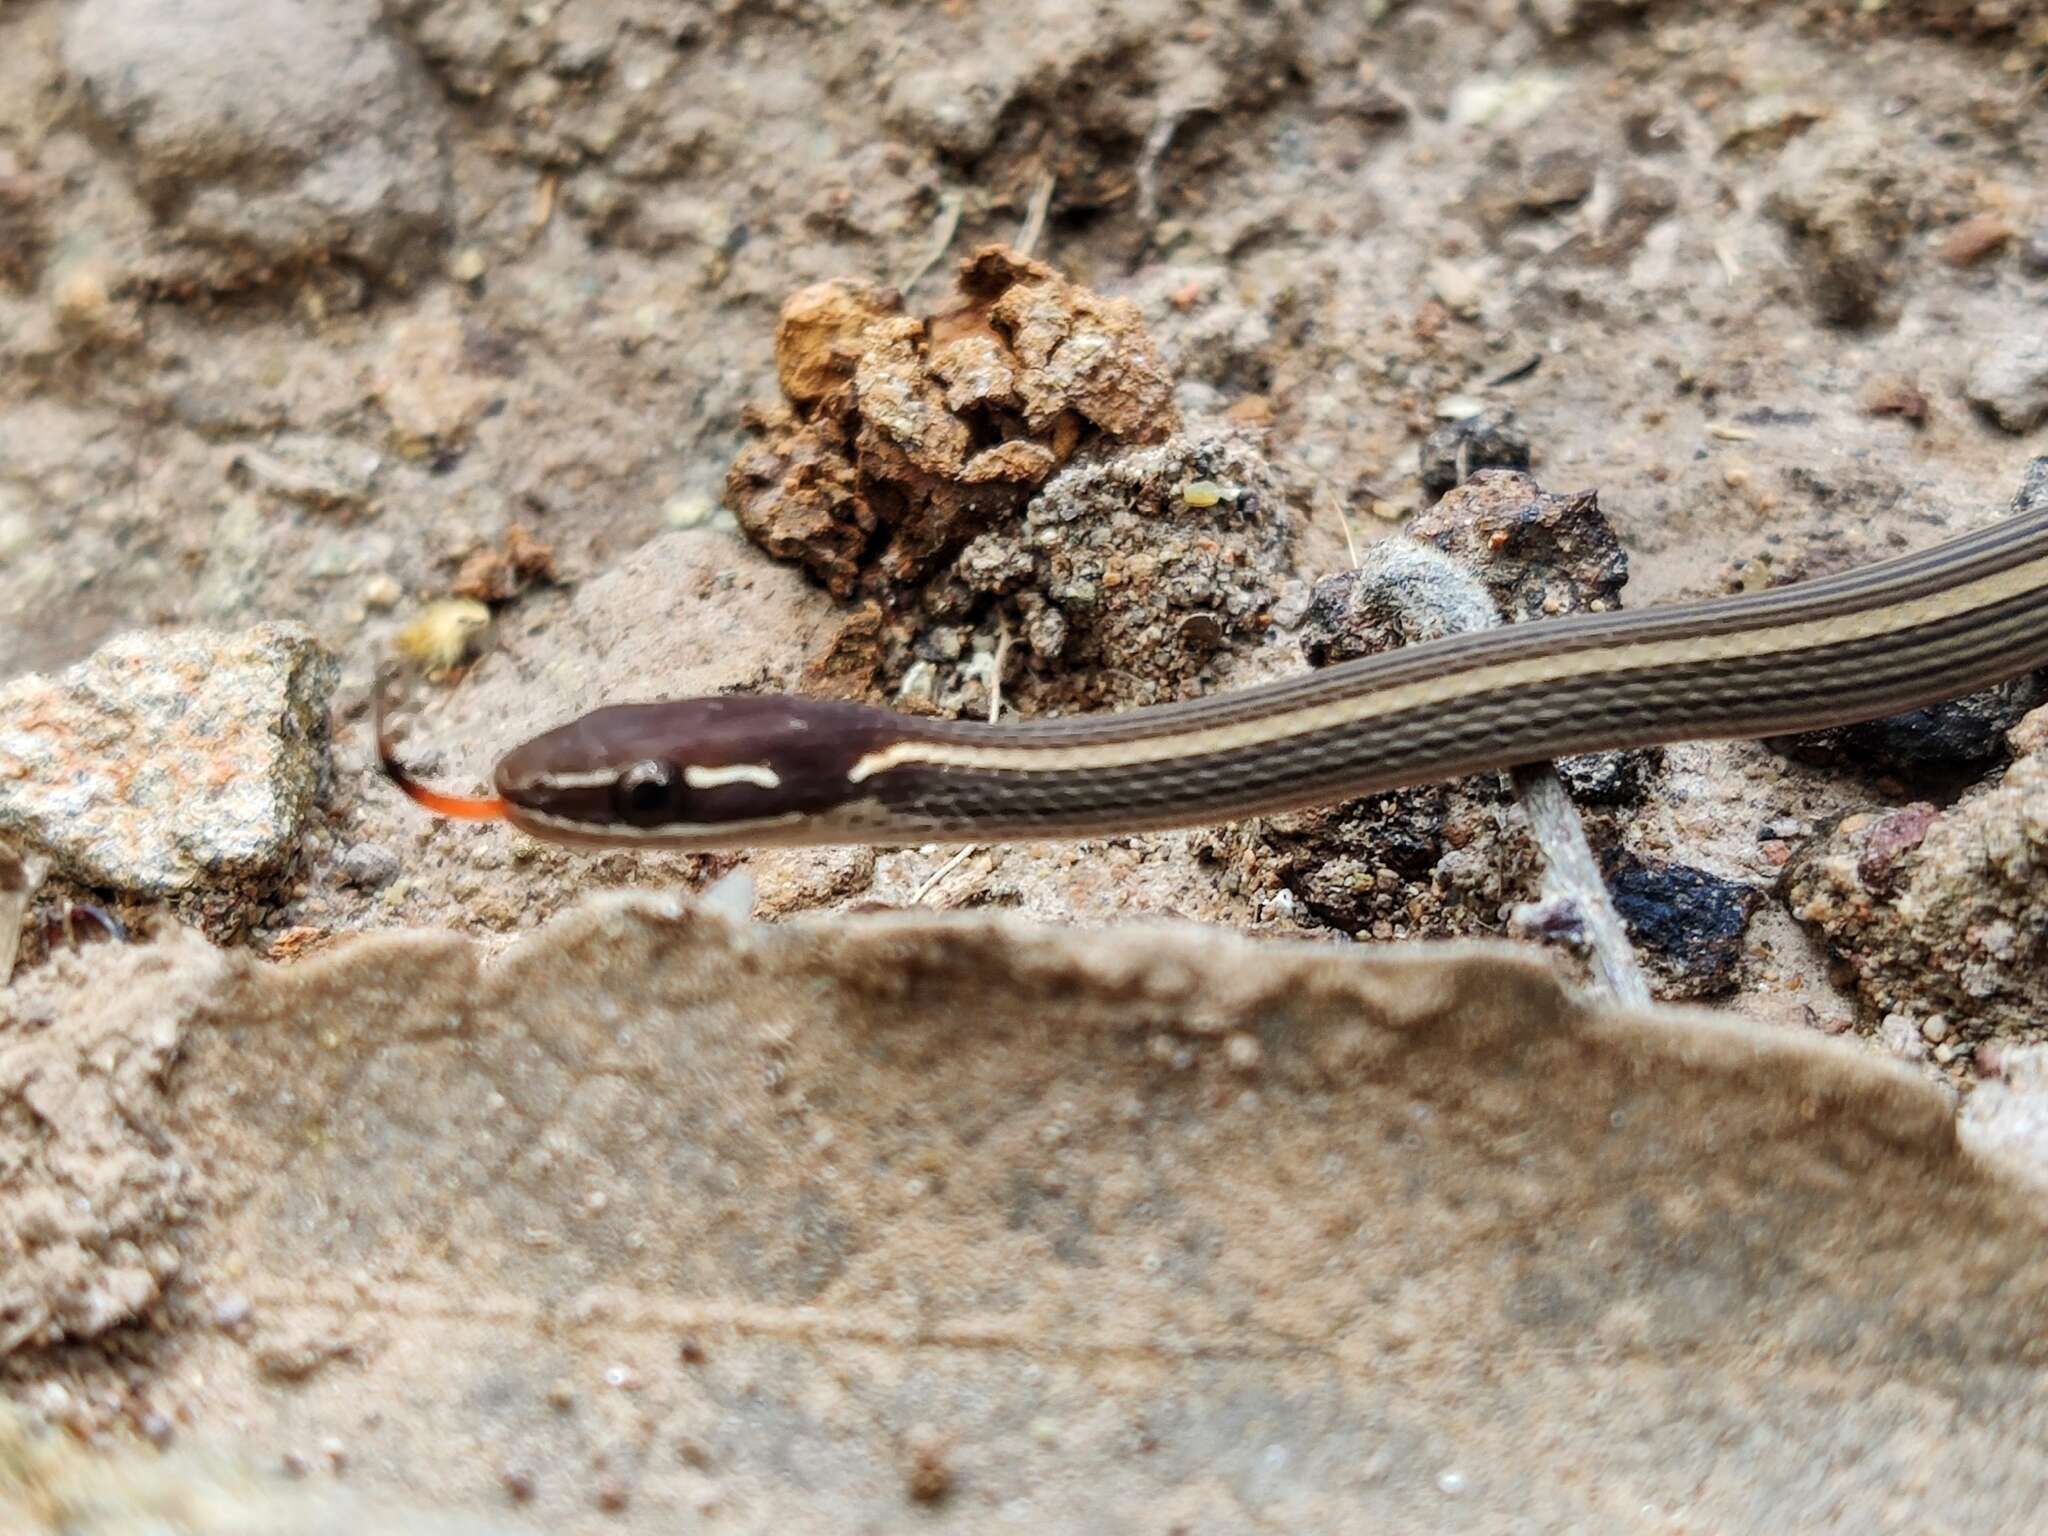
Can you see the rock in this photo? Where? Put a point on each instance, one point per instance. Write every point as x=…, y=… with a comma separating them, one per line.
x=1942, y=911
x=1561, y=179
x=2034, y=254
x=1845, y=204
x=24, y=224
x=269, y=135
x=1899, y=1035
x=1493, y=439
x=1924, y=746
x=1610, y=778
x=2009, y=380
x=168, y=763
x=1540, y=554
x=425, y=384
x=1976, y=239
x=369, y=866
x=1396, y=596
x=2033, y=492
x=1687, y=923
x=1147, y=576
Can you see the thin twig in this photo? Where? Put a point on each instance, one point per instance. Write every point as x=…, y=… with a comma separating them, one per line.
x=1155, y=147
x=942, y=240
x=1034, y=215
x=930, y=881
x=1343, y=521
x=1573, y=876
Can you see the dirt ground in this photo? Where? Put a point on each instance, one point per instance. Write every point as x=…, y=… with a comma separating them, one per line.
x=302, y=328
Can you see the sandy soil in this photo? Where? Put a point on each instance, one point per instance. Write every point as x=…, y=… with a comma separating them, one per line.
x=302, y=328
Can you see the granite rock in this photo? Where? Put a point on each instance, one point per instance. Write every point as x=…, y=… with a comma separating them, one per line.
x=168, y=763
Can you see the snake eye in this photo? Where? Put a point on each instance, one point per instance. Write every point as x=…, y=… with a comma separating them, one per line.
x=648, y=793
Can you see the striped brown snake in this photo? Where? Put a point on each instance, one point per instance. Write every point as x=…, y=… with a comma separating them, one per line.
x=745, y=771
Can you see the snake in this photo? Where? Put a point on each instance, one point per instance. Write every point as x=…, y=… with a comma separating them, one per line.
x=736, y=771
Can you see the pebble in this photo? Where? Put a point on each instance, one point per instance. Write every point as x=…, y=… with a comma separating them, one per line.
x=1976, y=239
x=2009, y=380
x=1291, y=606
x=1687, y=922
x=1562, y=178
x=518, y=1482
x=170, y=762
x=692, y=509
x=1899, y=1036
x=1610, y=778
x=2034, y=254
x=369, y=866
x=1491, y=439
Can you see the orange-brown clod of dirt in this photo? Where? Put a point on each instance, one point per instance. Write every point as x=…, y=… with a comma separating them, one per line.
x=899, y=437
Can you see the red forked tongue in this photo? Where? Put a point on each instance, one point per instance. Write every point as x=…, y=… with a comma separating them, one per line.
x=460, y=807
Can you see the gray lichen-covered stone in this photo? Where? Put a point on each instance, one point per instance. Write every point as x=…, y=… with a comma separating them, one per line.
x=269, y=134
x=169, y=763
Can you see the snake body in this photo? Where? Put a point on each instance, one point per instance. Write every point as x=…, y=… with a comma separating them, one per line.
x=744, y=771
